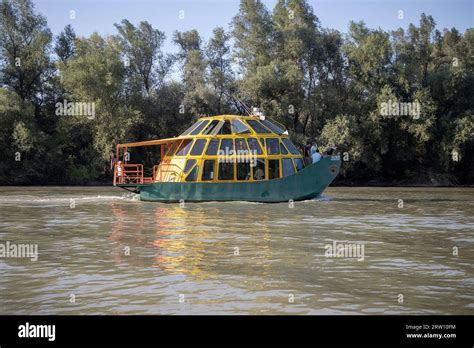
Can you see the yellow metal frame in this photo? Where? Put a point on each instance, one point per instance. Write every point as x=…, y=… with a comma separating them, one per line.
x=178, y=170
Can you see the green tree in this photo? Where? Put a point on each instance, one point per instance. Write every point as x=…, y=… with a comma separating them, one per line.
x=24, y=49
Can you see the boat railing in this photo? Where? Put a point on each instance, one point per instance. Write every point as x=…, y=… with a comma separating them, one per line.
x=128, y=174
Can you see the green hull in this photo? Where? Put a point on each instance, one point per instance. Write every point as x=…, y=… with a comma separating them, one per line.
x=306, y=184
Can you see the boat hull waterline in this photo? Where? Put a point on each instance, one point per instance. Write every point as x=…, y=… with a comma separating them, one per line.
x=308, y=183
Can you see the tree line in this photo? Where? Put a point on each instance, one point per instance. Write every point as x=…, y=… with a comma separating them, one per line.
x=398, y=104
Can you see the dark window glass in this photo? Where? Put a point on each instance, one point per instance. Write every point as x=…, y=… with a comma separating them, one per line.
x=287, y=167
x=283, y=149
x=254, y=146
x=273, y=127
x=259, y=170
x=241, y=145
x=198, y=147
x=199, y=128
x=184, y=148
x=273, y=169
x=210, y=127
x=226, y=171
x=289, y=145
x=243, y=171
x=257, y=127
x=298, y=164
x=272, y=146
x=212, y=148
x=227, y=145
x=238, y=127
x=262, y=141
x=225, y=128
x=189, y=165
x=186, y=132
x=208, y=170
x=172, y=149
x=193, y=175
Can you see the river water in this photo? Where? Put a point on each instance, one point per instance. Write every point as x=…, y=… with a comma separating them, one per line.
x=103, y=252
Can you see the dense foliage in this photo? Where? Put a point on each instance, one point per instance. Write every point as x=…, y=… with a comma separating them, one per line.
x=320, y=83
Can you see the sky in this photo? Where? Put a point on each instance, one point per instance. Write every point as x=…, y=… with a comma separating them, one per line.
x=205, y=15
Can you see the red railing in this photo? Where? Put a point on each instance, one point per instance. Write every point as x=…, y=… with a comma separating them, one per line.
x=128, y=174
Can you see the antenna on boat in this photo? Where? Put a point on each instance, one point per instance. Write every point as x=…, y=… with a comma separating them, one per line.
x=244, y=106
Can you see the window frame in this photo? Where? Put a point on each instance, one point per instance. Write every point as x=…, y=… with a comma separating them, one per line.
x=214, y=169
x=191, y=141
x=194, y=145
x=292, y=166
x=279, y=168
x=199, y=129
x=261, y=125
x=219, y=170
x=209, y=144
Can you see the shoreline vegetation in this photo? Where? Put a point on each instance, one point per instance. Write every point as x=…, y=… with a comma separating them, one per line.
x=398, y=104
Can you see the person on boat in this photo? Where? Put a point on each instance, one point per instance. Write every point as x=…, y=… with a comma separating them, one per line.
x=119, y=171
x=259, y=174
x=315, y=155
x=331, y=150
x=307, y=153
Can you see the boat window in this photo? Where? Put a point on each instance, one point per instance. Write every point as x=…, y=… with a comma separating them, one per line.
x=199, y=128
x=257, y=127
x=184, y=148
x=243, y=171
x=225, y=129
x=212, y=148
x=217, y=128
x=227, y=145
x=272, y=146
x=298, y=164
x=193, y=175
x=254, y=146
x=287, y=167
x=208, y=170
x=241, y=145
x=210, y=127
x=226, y=171
x=189, y=165
x=172, y=149
x=273, y=127
x=259, y=170
x=198, y=147
x=273, y=169
x=238, y=127
x=289, y=145
x=283, y=149
x=186, y=132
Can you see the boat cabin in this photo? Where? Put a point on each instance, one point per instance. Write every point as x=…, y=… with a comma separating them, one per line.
x=225, y=148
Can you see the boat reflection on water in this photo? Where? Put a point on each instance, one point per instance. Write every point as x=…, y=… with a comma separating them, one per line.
x=203, y=240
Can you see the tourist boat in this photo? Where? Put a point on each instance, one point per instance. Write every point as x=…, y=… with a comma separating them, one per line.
x=226, y=158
